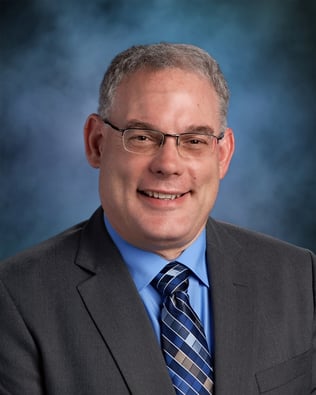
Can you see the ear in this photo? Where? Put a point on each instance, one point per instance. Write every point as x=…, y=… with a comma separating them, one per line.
x=93, y=139
x=226, y=149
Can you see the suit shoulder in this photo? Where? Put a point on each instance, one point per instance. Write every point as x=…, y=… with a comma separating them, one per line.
x=255, y=241
x=62, y=244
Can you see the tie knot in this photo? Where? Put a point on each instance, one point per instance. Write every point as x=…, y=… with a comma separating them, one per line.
x=173, y=277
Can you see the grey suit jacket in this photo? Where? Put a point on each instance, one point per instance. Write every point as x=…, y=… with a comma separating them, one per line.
x=72, y=322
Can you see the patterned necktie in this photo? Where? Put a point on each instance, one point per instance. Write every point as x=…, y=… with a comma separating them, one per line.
x=183, y=339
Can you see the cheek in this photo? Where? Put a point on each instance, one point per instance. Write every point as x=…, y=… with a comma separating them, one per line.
x=209, y=185
x=207, y=173
x=119, y=172
x=112, y=190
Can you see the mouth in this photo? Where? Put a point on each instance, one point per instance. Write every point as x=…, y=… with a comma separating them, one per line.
x=162, y=195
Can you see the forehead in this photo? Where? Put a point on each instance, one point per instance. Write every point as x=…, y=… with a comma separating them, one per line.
x=170, y=92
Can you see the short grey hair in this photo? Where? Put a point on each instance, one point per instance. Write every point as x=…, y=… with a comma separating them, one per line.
x=162, y=56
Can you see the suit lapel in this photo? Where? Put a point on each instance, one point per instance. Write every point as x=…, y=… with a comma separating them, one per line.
x=112, y=301
x=232, y=303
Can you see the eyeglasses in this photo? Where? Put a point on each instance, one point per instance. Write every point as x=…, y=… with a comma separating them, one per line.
x=144, y=141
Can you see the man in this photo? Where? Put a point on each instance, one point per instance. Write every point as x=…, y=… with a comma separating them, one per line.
x=85, y=313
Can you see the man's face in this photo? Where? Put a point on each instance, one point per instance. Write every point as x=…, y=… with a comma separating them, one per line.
x=161, y=202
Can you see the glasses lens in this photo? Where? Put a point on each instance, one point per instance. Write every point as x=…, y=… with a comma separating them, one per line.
x=196, y=144
x=142, y=141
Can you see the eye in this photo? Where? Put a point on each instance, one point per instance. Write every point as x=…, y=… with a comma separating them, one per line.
x=195, y=139
x=142, y=136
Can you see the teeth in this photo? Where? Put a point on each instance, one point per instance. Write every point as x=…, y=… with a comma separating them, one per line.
x=164, y=196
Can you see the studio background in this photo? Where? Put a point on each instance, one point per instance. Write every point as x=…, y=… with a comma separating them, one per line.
x=53, y=56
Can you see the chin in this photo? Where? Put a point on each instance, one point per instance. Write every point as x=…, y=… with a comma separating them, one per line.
x=167, y=239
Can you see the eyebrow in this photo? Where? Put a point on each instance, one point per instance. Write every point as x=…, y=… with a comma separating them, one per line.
x=135, y=123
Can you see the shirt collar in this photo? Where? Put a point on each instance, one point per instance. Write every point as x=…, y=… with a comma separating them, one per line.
x=143, y=273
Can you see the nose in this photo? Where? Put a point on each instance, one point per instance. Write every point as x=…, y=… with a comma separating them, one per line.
x=167, y=161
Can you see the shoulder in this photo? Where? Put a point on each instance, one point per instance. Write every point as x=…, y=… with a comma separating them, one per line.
x=256, y=244
x=68, y=256
x=59, y=248
x=272, y=267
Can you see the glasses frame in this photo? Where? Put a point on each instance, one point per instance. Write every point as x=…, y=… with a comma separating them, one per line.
x=164, y=135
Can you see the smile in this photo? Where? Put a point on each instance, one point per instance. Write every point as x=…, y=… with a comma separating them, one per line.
x=161, y=195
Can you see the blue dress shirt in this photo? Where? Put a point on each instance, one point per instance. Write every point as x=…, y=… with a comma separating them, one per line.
x=144, y=266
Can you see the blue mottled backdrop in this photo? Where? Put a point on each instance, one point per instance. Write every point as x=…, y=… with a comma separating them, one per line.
x=53, y=55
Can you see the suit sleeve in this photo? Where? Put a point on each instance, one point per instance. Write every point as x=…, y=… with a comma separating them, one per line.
x=19, y=359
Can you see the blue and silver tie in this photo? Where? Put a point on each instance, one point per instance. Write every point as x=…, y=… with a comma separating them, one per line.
x=183, y=339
